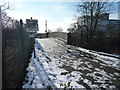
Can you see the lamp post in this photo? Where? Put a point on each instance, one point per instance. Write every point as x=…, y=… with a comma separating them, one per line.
x=46, y=25
x=46, y=29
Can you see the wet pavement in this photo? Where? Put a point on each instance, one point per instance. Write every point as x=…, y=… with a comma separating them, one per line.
x=92, y=71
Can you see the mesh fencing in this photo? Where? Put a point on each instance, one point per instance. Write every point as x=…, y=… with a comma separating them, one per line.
x=17, y=49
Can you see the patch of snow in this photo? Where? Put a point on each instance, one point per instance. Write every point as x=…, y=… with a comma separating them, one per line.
x=110, y=61
x=44, y=72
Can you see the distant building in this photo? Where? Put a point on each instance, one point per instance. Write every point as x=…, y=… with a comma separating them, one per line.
x=32, y=27
x=115, y=24
x=104, y=23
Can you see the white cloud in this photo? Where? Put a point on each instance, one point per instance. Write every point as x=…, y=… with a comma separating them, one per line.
x=64, y=24
x=69, y=20
x=114, y=16
x=41, y=21
x=64, y=0
x=18, y=15
x=54, y=25
x=59, y=7
x=45, y=0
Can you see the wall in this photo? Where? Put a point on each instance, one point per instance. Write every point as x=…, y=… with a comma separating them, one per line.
x=61, y=35
x=41, y=35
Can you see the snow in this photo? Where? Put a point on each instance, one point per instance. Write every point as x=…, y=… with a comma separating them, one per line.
x=110, y=61
x=47, y=71
x=42, y=73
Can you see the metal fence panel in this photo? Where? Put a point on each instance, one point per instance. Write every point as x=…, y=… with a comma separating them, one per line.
x=17, y=49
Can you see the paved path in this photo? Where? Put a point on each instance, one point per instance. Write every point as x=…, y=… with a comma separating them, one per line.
x=82, y=68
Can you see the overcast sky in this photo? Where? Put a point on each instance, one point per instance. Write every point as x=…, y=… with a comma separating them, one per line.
x=57, y=13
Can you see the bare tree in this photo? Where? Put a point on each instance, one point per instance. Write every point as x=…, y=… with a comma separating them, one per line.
x=90, y=15
x=6, y=20
x=59, y=29
x=49, y=31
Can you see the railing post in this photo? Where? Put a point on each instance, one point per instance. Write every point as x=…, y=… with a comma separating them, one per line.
x=0, y=49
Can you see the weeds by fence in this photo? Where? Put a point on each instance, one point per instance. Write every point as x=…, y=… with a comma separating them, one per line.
x=17, y=48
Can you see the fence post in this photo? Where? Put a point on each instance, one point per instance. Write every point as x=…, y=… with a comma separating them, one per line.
x=22, y=51
x=69, y=38
x=34, y=48
x=0, y=49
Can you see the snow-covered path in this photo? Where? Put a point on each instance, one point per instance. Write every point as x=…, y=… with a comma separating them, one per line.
x=58, y=65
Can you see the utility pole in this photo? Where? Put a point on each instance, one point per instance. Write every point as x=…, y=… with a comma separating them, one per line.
x=0, y=49
x=46, y=29
x=34, y=42
x=46, y=26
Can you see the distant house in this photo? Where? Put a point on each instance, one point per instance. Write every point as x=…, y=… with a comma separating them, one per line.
x=32, y=26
